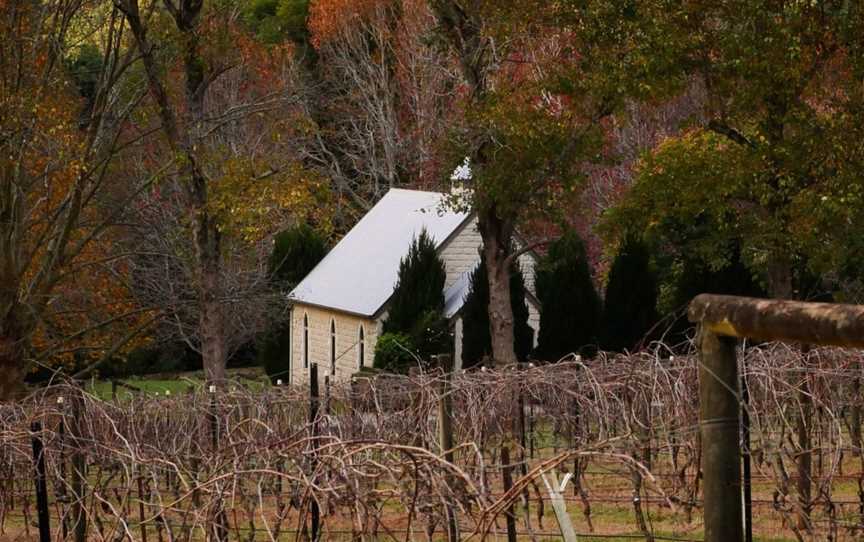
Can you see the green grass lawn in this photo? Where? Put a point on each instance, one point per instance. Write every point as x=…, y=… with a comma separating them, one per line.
x=174, y=383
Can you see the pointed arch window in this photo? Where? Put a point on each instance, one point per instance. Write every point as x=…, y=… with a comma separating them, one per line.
x=305, y=341
x=361, y=347
x=332, y=346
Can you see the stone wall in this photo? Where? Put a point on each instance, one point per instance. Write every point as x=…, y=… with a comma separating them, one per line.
x=347, y=342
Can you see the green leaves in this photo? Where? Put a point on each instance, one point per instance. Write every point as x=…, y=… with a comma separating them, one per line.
x=417, y=305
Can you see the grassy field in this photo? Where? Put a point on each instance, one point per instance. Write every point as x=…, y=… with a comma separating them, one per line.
x=172, y=383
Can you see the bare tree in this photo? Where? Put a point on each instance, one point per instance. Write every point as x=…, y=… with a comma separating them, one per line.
x=234, y=178
x=378, y=96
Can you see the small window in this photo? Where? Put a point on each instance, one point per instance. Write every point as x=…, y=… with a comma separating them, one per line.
x=332, y=347
x=305, y=341
x=361, y=348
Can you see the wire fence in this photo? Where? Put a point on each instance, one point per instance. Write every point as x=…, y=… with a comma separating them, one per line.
x=364, y=461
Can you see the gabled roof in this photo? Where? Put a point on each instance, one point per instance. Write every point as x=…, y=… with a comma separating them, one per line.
x=359, y=274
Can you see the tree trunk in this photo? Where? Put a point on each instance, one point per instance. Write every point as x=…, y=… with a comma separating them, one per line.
x=497, y=236
x=207, y=238
x=211, y=320
x=780, y=287
x=463, y=32
x=184, y=140
x=780, y=277
x=12, y=367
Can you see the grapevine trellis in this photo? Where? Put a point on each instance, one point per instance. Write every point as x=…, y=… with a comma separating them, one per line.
x=250, y=464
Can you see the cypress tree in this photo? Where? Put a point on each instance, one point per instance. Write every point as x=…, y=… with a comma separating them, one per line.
x=696, y=277
x=570, y=308
x=295, y=253
x=416, y=308
x=630, y=309
x=476, y=335
x=419, y=286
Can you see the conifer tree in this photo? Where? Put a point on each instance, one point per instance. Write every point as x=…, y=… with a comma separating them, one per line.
x=630, y=309
x=694, y=277
x=570, y=308
x=419, y=286
x=295, y=253
x=416, y=308
x=476, y=335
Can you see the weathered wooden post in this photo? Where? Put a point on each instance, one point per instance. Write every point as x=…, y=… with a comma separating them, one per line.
x=721, y=320
x=41, y=485
x=219, y=518
x=61, y=487
x=141, y=515
x=79, y=471
x=745, y=439
x=313, y=421
x=445, y=433
x=720, y=428
x=507, y=475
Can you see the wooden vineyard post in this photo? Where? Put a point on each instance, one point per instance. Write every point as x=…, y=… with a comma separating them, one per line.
x=313, y=421
x=219, y=518
x=141, y=507
x=326, y=395
x=41, y=484
x=722, y=320
x=79, y=473
x=747, y=468
x=445, y=434
x=62, y=498
x=507, y=475
x=855, y=417
x=719, y=413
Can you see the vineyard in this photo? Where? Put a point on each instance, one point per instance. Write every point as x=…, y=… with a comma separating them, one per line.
x=371, y=460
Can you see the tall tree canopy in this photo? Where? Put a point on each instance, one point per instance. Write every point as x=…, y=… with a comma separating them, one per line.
x=539, y=81
x=222, y=112
x=630, y=307
x=771, y=168
x=570, y=307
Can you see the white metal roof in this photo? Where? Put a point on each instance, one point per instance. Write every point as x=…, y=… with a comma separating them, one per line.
x=359, y=274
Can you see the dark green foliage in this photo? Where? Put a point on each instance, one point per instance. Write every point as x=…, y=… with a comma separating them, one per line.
x=419, y=287
x=274, y=21
x=416, y=307
x=85, y=68
x=695, y=278
x=476, y=335
x=570, y=313
x=630, y=309
x=430, y=334
x=394, y=353
x=295, y=253
x=523, y=335
x=274, y=351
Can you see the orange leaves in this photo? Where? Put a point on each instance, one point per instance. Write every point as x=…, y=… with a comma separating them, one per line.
x=328, y=17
